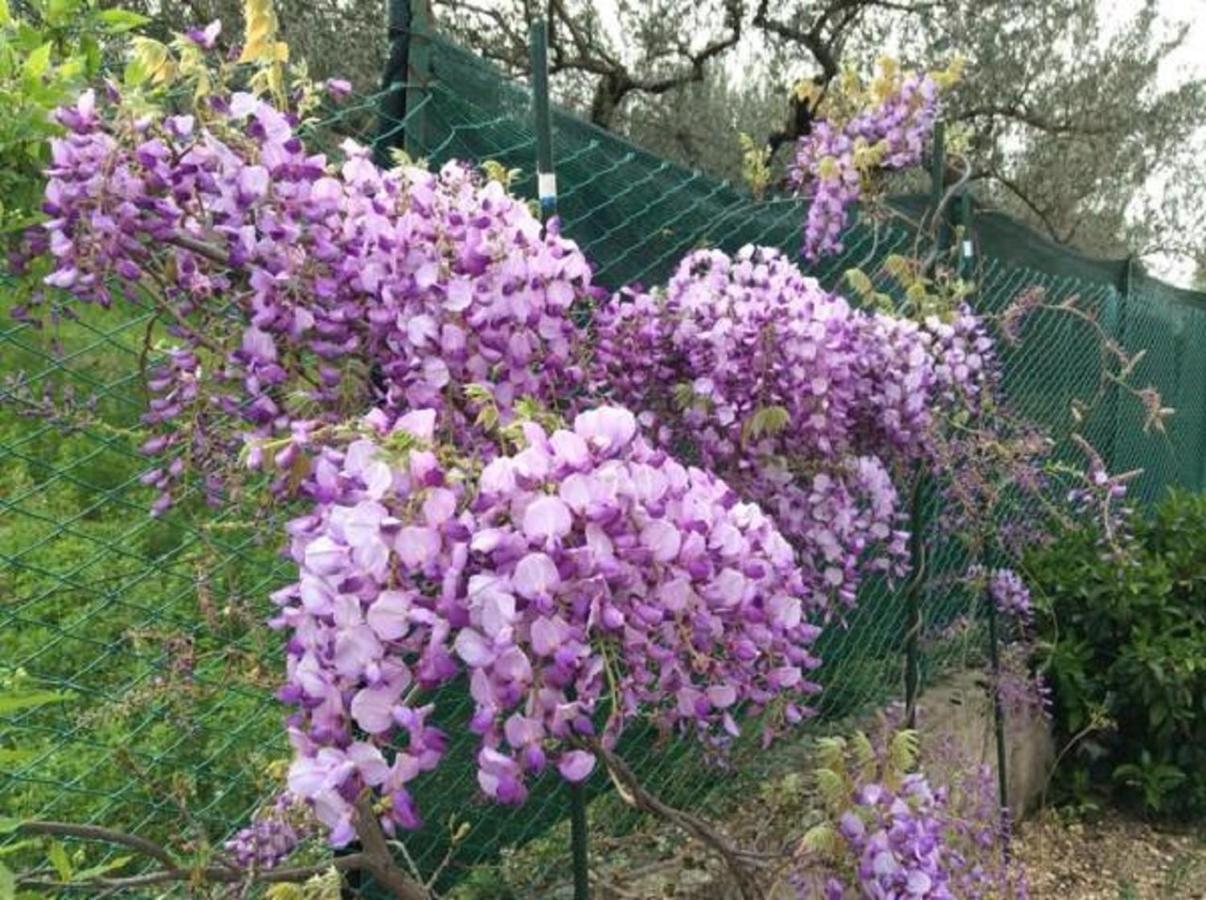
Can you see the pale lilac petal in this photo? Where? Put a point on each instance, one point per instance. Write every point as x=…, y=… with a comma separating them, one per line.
x=535, y=576
x=388, y=615
x=576, y=765
x=722, y=696
x=513, y=665
x=419, y=423
x=662, y=538
x=608, y=428
x=372, y=708
x=369, y=762
x=417, y=546
x=569, y=449
x=355, y=649
x=548, y=635
x=547, y=518
x=474, y=649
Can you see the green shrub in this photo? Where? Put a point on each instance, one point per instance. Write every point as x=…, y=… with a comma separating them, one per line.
x=1123, y=642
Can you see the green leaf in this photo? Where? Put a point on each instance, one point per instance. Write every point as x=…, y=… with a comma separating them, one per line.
x=10, y=703
x=820, y=839
x=767, y=420
x=134, y=74
x=119, y=20
x=8, y=883
x=8, y=824
x=859, y=280
x=831, y=752
x=10, y=756
x=903, y=750
x=6, y=17
x=15, y=847
x=103, y=869
x=61, y=12
x=57, y=855
x=864, y=754
x=38, y=62
x=832, y=787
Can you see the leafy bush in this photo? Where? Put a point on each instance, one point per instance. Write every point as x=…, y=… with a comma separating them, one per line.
x=1123, y=641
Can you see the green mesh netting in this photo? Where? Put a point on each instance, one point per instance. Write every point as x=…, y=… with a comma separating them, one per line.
x=154, y=625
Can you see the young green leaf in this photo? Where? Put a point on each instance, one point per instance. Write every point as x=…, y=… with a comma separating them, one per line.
x=57, y=854
x=8, y=883
x=118, y=20
x=99, y=871
x=38, y=62
x=10, y=703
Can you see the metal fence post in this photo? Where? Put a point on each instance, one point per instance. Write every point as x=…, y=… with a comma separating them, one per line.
x=417, y=78
x=392, y=114
x=546, y=189
x=546, y=180
x=998, y=713
x=965, y=263
x=913, y=598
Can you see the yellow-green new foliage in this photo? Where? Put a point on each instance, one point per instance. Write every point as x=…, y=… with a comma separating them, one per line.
x=47, y=56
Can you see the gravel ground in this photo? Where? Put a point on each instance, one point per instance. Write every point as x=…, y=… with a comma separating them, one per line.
x=1112, y=858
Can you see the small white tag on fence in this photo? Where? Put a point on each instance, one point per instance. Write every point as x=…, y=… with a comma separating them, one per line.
x=546, y=186
x=967, y=249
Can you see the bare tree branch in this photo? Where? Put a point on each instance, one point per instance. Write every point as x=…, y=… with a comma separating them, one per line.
x=1039, y=213
x=1018, y=113
x=376, y=859
x=739, y=862
x=104, y=835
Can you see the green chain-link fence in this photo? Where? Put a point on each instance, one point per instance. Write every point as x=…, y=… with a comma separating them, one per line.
x=153, y=627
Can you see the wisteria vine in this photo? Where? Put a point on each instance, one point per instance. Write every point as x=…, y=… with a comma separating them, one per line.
x=650, y=515
x=888, y=131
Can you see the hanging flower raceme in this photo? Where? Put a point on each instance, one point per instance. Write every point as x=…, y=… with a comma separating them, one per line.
x=1010, y=595
x=833, y=160
x=801, y=402
x=297, y=287
x=582, y=580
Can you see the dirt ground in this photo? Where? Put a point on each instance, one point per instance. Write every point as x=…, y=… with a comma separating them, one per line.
x=1112, y=858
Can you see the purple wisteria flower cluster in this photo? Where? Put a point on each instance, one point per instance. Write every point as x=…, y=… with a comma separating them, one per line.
x=273, y=834
x=896, y=835
x=832, y=160
x=298, y=287
x=585, y=567
x=1010, y=595
x=800, y=401
x=386, y=343
x=897, y=839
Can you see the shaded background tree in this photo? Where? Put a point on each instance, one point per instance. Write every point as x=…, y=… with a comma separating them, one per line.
x=1075, y=125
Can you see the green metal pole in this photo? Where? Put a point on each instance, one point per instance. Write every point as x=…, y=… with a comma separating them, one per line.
x=546, y=188
x=546, y=180
x=967, y=252
x=418, y=78
x=938, y=220
x=913, y=598
x=998, y=714
x=965, y=263
x=392, y=114
x=578, y=842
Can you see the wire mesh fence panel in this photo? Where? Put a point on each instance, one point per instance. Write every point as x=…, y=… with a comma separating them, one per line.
x=154, y=625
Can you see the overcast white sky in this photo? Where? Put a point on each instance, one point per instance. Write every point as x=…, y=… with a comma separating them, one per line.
x=1190, y=59
x=1187, y=62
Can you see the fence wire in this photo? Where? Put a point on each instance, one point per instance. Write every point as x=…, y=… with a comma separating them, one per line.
x=154, y=626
